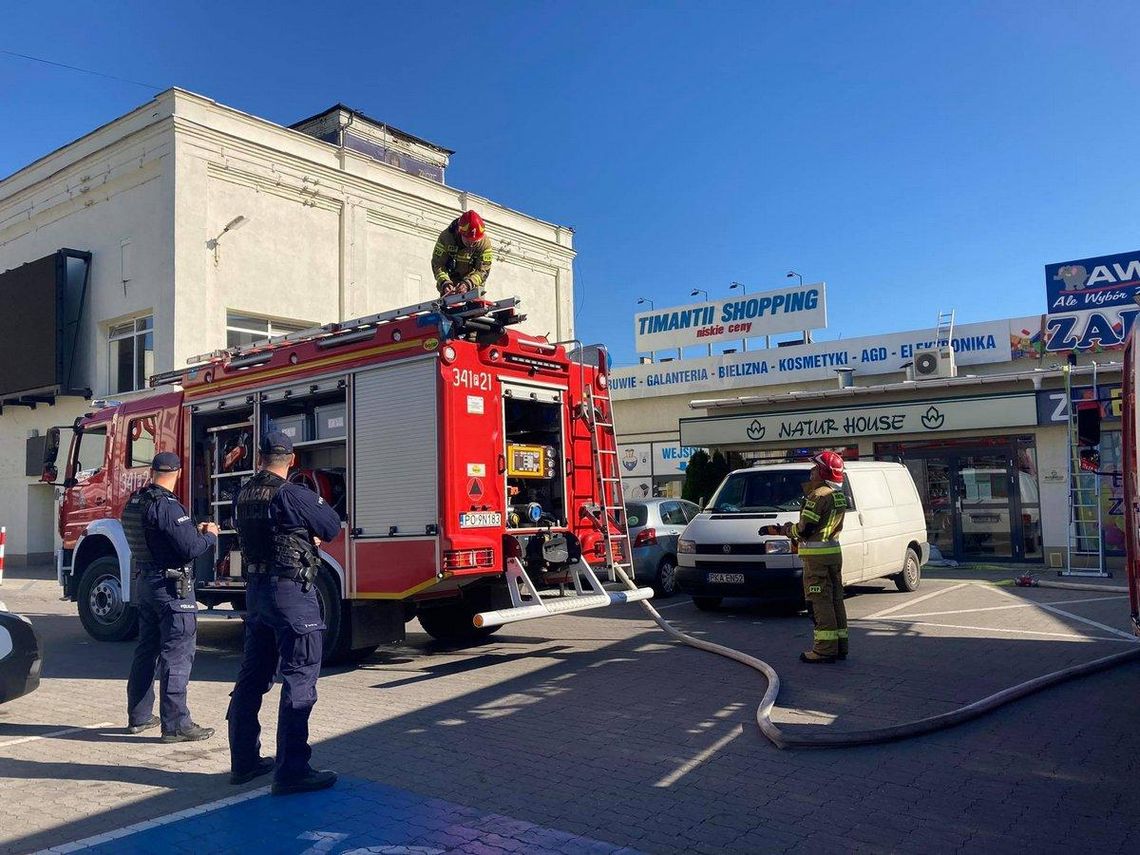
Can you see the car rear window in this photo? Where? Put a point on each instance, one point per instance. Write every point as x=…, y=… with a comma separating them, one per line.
x=636, y=515
x=761, y=492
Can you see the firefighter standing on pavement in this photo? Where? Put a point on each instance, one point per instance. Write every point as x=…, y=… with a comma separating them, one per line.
x=461, y=260
x=163, y=541
x=821, y=520
x=278, y=525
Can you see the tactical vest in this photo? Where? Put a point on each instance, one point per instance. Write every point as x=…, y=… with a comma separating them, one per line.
x=264, y=541
x=134, y=514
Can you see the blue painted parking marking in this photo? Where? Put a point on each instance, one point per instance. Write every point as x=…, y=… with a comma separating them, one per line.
x=356, y=817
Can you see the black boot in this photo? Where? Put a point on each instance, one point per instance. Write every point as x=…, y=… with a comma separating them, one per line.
x=191, y=733
x=311, y=780
x=263, y=766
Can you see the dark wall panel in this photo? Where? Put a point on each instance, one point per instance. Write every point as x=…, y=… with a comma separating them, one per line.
x=28, y=327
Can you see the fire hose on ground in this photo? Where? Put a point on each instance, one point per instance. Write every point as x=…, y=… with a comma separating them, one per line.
x=907, y=730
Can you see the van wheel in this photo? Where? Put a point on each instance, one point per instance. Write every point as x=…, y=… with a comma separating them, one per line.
x=707, y=604
x=911, y=575
x=102, y=610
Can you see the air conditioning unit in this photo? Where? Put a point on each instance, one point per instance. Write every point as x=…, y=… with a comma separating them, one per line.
x=933, y=364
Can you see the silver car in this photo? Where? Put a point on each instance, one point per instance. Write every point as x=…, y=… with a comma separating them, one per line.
x=654, y=526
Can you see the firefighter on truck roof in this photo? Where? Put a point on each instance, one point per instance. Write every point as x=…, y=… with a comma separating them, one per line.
x=461, y=260
x=163, y=541
x=821, y=520
x=279, y=525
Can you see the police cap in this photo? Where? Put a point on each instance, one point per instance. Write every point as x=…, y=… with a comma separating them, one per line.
x=276, y=442
x=166, y=461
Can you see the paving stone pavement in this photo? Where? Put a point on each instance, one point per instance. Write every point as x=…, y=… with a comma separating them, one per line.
x=594, y=732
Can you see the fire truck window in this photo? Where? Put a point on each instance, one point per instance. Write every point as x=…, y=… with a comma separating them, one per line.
x=91, y=453
x=140, y=442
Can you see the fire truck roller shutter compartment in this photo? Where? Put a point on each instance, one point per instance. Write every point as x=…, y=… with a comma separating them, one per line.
x=396, y=476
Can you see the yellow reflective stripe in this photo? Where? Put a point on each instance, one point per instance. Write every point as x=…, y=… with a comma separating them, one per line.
x=809, y=516
x=842, y=633
x=826, y=635
x=815, y=589
x=821, y=550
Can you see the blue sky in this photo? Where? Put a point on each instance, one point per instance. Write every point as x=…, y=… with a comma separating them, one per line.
x=916, y=156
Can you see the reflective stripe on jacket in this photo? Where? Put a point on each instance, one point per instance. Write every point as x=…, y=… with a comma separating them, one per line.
x=451, y=261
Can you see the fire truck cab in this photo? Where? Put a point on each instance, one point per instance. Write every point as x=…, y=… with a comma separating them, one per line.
x=474, y=469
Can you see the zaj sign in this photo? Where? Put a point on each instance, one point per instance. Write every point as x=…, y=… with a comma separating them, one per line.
x=751, y=315
x=1091, y=302
x=876, y=420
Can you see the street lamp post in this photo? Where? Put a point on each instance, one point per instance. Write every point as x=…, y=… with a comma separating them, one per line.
x=791, y=273
x=694, y=293
x=744, y=341
x=642, y=301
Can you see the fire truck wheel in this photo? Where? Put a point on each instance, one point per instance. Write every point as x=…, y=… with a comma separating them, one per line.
x=911, y=574
x=338, y=633
x=452, y=623
x=100, y=598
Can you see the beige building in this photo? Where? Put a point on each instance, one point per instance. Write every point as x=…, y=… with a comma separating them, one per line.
x=199, y=227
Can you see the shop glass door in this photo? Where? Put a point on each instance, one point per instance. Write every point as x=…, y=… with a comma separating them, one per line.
x=980, y=499
x=985, y=504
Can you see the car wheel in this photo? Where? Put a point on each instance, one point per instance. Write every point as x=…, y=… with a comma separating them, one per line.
x=707, y=604
x=911, y=575
x=666, y=583
x=105, y=614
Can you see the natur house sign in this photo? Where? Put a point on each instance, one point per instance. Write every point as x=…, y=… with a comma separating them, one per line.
x=992, y=411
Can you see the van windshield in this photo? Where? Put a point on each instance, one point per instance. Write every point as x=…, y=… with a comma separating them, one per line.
x=757, y=492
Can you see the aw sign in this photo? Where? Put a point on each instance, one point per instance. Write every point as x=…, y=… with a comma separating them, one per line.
x=1090, y=284
x=747, y=316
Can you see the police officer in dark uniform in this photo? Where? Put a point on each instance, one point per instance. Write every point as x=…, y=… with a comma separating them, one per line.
x=163, y=541
x=279, y=525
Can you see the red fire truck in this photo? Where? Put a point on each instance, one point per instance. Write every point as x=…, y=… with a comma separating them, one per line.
x=474, y=467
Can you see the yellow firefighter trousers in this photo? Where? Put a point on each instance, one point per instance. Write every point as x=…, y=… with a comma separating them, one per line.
x=823, y=589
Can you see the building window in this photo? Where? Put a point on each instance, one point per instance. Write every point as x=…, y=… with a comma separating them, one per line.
x=246, y=329
x=132, y=354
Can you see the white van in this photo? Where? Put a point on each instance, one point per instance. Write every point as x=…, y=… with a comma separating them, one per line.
x=723, y=553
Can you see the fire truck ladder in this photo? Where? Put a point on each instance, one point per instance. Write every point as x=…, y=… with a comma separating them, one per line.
x=526, y=600
x=1086, y=514
x=460, y=314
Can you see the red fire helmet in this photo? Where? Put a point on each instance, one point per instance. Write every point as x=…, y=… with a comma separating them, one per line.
x=470, y=227
x=829, y=465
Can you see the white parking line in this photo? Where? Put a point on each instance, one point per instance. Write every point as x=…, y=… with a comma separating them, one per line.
x=671, y=605
x=1021, y=605
x=1077, y=618
x=915, y=601
x=1072, y=636
x=24, y=739
x=99, y=839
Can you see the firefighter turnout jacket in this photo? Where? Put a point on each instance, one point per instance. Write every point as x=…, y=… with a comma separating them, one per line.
x=821, y=520
x=466, y=266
